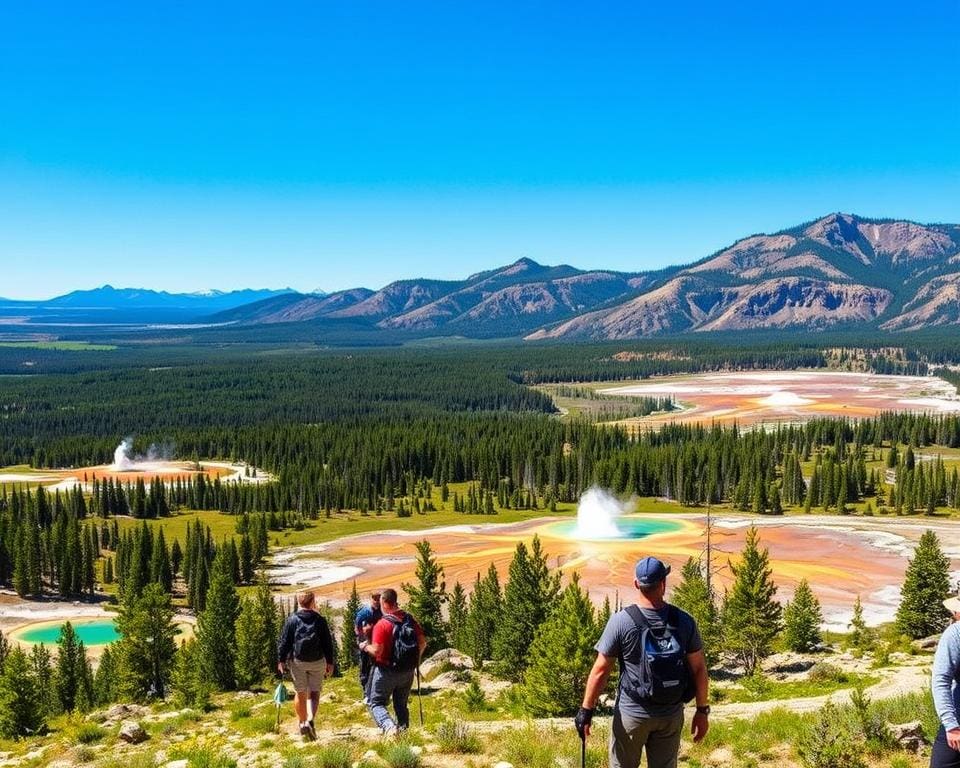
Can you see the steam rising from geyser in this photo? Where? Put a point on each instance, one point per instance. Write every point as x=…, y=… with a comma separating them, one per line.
x=123, y=456
x=124, y=459
x=597, y=515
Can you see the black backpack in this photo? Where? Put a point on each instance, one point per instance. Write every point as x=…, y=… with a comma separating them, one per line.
x=406, y=647
x=665, y=677
x=306, y=640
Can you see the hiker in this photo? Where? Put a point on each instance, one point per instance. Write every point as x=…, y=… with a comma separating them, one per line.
x=655, y=636
x=946, y=692
x=363, y=625
x=396, y=644
x=306, y=650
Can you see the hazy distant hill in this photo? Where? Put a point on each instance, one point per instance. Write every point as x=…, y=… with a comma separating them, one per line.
x=107, y=304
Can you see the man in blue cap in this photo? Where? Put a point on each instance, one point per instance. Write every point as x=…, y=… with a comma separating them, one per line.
x=662, y=667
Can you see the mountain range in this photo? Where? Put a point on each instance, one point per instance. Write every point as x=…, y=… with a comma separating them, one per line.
x=839, y=271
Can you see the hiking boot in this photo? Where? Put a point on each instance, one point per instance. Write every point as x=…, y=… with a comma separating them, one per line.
x=313, y=731
x=305, y=731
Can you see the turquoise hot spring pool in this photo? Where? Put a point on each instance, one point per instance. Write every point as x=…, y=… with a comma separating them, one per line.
x=630, y=528
x=92, y=632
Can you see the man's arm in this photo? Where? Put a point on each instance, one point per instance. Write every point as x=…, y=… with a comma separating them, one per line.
x=698, y=668
x=596, y=682
x=945, y=662
x=285, y=645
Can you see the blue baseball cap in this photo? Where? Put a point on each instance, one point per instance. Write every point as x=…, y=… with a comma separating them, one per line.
x=651, y=571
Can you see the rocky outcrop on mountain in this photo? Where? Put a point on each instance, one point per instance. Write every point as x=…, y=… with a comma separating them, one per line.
x=936, y=303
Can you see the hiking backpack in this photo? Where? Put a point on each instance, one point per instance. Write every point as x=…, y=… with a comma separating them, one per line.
x=306, y=641
x=665, y=677
x=405, y=644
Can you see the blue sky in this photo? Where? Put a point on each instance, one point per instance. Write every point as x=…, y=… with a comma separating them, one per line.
x=183, y=146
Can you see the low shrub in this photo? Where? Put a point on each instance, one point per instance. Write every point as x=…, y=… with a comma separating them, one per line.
x=457, y=739
x=207, y=758
x=334, y=756
x=88, y=733
x=474, y=699
x=401, y=756
x=822, y=672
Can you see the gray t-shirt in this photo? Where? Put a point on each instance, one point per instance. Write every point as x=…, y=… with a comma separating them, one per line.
x=621, y=638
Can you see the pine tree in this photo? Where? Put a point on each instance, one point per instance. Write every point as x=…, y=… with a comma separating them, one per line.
x=860, y=635
x=160, y=570
x=458, y=617
x=527, y=600
x=4, y=649
x=176, y=557
x=191, y=687
x=750, y=618
x=802, y=618
x=20, y=710
x=925, y=586
x=69, y=668
x=561, y=655
x=483, y=616
x=216, y=624
x=41, y=663
x=146, y=648
x=249, y=654
x=693, y=596
x=268, y=624
x=105, y=687
x=348, y=637
x=426, y=598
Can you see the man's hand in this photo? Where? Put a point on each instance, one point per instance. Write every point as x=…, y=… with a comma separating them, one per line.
x=582, y=722
x=953, y=739
x=280, y=668
x=329, y=669
x=700, y=726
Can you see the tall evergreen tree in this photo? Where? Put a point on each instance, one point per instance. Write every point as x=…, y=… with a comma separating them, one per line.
x=216, y=624
x=458, y=617
x=561, y=655
x=20, y=709
x=802, y=618
x=483, y=616
x=427, y=596
x=348, y=638
x=926, y=585
x=860, y=634
x=249, y=654
x=41, y=663
x=527, y=600
x=191, y=686
x=105, y=689
x=694, y=596
x=69, y=668
x=147, y=646
x=750, y=617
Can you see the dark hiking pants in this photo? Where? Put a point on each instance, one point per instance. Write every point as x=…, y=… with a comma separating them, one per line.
x=943, y=756
x=387, y=684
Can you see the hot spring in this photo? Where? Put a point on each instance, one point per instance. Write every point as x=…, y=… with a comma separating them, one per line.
x=601, y=516
x=92, y=632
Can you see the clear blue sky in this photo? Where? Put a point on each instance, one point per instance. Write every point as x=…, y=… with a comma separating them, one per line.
x=182, y=146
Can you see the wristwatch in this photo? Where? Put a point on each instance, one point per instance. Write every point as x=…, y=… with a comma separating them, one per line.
x=703, y=710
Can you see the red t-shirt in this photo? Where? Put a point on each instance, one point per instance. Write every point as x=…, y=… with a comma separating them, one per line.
x=382, y=636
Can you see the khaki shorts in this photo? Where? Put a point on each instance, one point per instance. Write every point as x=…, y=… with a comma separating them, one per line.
x=307, y=675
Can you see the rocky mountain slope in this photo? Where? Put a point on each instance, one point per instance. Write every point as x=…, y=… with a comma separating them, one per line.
x=839, y=271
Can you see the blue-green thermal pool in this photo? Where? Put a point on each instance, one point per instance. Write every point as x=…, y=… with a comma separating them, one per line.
x=94, y=632
x=630, y=528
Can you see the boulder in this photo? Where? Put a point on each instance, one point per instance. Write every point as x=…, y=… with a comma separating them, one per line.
x=909, y=736
x=449, y=658
x=926, y=643
x=132, y=732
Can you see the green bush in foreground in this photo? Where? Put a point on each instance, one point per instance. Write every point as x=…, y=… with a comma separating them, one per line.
x=457, y=739
x=829, y=743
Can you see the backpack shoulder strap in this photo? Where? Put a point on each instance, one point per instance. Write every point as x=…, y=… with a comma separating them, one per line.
x=395, y=620
x=634, y=612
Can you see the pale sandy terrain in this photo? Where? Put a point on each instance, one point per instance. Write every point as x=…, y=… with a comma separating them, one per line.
x=791, y=396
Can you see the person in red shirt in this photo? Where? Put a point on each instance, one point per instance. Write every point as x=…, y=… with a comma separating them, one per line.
x=393, y=678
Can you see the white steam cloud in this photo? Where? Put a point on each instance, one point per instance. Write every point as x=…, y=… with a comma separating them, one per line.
x=597, y=515
x=124, y=459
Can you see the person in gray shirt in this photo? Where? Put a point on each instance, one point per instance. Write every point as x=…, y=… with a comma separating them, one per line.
x=946, y=692
x=662, y=666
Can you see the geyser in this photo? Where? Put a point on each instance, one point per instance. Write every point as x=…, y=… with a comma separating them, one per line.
x=597, y=515
x=123, y=456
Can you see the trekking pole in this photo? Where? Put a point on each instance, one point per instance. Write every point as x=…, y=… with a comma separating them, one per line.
x=419, y=696
x=583, y=752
